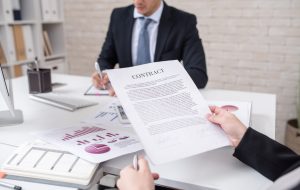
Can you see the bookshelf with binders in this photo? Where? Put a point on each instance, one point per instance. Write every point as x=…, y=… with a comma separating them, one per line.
x=29, y=29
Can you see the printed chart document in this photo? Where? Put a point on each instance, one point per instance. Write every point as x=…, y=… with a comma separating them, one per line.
x=94, y=143
x=166, y=110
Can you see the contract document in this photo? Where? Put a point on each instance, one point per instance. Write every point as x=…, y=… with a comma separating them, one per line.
x=166, y=110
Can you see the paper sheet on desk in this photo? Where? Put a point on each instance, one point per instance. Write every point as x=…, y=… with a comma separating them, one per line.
x=95, y=92
x=92, y=142
x=166, y=110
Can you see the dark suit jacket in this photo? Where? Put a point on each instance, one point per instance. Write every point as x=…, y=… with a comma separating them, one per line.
x=177, y=39
x=265, y=155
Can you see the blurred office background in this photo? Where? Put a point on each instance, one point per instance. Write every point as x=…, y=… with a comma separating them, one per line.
x=251, y=45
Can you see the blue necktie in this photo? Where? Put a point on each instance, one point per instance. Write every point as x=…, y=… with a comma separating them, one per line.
x=143, y=51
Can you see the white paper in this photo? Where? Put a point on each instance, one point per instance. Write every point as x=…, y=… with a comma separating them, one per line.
x=94, y=143
x=95, y=92
x=166, y=110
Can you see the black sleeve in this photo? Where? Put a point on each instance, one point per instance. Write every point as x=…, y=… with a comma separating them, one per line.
x=265, y=155
x=108, y=57
x=193, y=54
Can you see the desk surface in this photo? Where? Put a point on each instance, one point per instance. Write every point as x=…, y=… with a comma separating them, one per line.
x=217, y=169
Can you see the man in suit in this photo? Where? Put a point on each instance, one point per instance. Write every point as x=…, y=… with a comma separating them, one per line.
x=150, y=31
x=268, y=157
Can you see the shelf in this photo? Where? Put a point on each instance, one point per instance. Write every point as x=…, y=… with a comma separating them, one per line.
x=56, y=56
x=4, y=65
x=18, y=63
x=24, y=62
x=21, y=22
x=53, y=22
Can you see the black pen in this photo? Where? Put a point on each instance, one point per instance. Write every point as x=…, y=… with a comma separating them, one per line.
x=10, y=186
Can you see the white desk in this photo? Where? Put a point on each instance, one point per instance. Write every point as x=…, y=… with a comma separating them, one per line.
x=217, y=169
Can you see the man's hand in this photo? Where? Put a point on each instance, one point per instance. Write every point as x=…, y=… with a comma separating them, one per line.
x=131, y=179
x=104, y=82
x=232, y=126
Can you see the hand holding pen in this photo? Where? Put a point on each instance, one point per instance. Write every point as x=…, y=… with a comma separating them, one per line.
x=101, y=80
x=99, y=72
x=137, y=176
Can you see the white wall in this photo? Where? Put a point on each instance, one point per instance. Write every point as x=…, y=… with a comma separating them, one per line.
x=251, y=45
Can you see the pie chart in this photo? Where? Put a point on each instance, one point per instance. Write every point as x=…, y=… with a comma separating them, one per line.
x=97, y=149
x=230, y=108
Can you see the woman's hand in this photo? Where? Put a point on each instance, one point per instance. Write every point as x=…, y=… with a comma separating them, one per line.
x=142, y=179
x=232, y=126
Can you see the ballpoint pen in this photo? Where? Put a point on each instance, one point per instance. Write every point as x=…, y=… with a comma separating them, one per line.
x=36, y=62
x=135, y=162
x=10, y=186
x=99, y=73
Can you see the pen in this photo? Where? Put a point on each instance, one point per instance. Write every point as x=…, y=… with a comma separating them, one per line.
x=99, y=72
x=135, y=162
x=10, y=186
x=36, y=62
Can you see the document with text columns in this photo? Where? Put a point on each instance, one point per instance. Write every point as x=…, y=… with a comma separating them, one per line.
x=166, y=110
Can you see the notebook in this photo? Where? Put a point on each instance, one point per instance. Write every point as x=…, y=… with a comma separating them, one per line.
x=42, y=162
x=64, y=102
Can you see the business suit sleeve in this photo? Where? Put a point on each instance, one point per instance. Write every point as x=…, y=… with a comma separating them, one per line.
x=108, y=56
x=265, y=155
x=193, y=54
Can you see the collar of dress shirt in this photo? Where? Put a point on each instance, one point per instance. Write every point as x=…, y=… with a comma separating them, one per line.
x=155, y=16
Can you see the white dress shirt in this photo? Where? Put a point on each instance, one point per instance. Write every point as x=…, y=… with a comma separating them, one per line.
x=152, y=29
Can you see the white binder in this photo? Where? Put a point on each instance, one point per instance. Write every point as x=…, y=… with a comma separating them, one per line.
x=8, y=13
x=45, y=7
x=11, y=45
x=50, y=10
x=27, y=32
x=54, y=10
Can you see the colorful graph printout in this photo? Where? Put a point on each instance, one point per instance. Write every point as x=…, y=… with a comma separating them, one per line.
x=93, y=142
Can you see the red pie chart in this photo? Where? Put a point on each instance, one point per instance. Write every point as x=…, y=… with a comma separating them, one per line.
x=97, y=148
x=230, y=108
